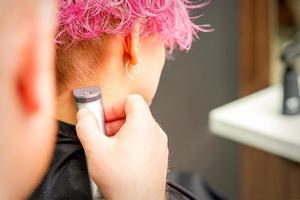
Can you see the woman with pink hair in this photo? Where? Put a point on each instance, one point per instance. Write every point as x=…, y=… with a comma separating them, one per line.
x=120, y=46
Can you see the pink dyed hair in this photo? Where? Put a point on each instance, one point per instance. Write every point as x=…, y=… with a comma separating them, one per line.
x=88, y=19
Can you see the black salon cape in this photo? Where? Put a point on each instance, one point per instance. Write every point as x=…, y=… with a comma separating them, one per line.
x=68, y=178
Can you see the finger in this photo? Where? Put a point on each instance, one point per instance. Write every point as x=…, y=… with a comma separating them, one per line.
x=137, y=115
x=88, y=131
x=136, y=109
x=113, y=127
x=115, y=111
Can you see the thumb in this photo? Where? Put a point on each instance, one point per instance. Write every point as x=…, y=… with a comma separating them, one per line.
x=138, y=117
x=137, y=110
x=88, y=131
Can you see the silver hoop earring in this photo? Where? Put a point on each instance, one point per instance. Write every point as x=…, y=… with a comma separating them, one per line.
x=137, y=69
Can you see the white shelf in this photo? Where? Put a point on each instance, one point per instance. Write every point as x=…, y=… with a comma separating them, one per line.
x=256, y=120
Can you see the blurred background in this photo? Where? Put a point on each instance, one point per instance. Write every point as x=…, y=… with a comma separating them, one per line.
x=239, y=58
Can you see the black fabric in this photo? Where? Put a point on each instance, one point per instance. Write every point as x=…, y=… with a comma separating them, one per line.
x=176, y=192
x=68, y=178
x=195, y=184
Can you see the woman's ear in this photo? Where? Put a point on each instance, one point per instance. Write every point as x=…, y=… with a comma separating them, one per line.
x=27, y=78
x=132, y=42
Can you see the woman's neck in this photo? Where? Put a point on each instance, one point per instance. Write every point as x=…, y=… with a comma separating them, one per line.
x=66, y=108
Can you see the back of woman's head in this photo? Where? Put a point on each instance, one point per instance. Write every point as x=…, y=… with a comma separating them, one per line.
x=81, y=22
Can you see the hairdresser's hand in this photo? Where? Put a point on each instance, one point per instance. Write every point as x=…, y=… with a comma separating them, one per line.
x=133, y=163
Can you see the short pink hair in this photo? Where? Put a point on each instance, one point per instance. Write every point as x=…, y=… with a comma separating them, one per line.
x=87, y=19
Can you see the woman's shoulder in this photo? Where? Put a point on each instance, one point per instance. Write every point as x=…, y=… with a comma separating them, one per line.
x=176, y=192
x=202, y=192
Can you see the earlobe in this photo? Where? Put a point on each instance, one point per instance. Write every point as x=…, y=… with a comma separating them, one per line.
x=27, y=79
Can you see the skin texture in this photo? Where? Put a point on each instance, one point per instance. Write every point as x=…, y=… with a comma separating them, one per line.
x=111, y=74
x=27, y=111
x=137, y=143
x=139, y=150
x=27, y=85
x=136, y=153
